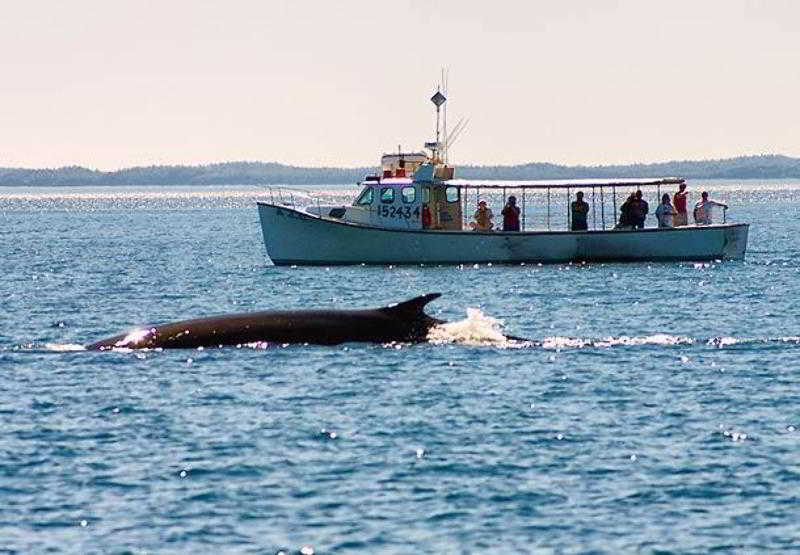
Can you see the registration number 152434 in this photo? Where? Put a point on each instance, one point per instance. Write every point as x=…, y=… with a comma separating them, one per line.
x=399, y=212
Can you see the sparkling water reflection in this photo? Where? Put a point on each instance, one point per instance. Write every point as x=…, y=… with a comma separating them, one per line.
x=655, y=408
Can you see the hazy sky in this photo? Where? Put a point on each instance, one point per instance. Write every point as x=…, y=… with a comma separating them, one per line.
x=115, y=83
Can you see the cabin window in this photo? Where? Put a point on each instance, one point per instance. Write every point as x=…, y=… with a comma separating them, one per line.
x=366, y=197
x=452, y=194
x=387, y=195
x=409, y=194
x=426, y=195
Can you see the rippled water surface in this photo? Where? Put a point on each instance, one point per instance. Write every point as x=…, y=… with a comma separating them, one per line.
x=657, y=407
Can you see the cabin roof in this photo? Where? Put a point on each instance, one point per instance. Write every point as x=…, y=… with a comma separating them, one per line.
x=563, y=183
x=388, y=181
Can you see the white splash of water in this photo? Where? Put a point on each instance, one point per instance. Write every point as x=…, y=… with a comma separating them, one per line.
x=476, y=329
x=723, y=341
x=558, y=343
x=64, y=347
x=655, y=339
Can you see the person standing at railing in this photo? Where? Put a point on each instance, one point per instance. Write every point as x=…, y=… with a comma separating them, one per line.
x=639, y=209
x=625, y=216
x=510, y=214
x=665, y=213
x=703, y=210
x=483, y=218
x=580, y=211
x=679, y=200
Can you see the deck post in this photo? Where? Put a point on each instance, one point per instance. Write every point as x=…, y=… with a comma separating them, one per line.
x=548, y=209
x=464, y=223
x=569, y=227
x=594, y=211
x=602, y=207
x=614, y=195
x=523, y=209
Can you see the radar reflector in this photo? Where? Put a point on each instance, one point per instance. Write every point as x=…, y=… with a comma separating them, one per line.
x=438, y=99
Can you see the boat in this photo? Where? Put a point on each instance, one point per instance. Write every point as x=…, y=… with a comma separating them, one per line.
x=414, y=211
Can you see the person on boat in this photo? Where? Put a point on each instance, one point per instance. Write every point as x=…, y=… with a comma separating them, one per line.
x=511, y=215
x=639, y=209
x=579, y=210
x=625, y=216
x=703, y=210
x=426, y=217
x=679, y=200
x=665, y=212
x=483, y=218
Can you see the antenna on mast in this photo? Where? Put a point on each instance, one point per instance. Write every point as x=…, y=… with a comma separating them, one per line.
x=438, y=99
x=445, y=76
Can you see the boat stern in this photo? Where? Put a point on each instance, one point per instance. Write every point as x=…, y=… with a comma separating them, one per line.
x=735, y=242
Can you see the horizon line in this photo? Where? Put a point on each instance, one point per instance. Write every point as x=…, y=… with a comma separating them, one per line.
x=351, y=168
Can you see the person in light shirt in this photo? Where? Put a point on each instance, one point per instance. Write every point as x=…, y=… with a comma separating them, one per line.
x=703, y=210
x=665, y=212
x=483, y=218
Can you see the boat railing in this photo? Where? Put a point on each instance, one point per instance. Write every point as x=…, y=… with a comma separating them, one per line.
x=602, y=197
x=287, y=196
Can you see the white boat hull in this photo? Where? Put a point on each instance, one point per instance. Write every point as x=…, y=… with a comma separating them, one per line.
x=295, y=237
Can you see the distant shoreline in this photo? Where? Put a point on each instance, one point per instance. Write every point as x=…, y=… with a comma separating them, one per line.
x=271, y=173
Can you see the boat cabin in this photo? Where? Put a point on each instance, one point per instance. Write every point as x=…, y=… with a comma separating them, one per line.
x=401, y=202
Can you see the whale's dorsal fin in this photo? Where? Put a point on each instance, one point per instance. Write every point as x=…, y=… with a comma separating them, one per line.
x=412, y=307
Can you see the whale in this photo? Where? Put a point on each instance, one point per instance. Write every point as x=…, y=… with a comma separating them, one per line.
x=399, y=322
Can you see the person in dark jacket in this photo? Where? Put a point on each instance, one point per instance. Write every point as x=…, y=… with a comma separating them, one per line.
x=625, y=216
x=511, y=215
x=580, y=210
x=639, y=209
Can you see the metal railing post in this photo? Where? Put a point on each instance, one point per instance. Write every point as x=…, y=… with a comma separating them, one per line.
x=602, y=207
x=614, y=195
x=569, y=227
x=548, y=209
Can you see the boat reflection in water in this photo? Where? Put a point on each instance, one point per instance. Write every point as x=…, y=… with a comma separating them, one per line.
x=415, y=212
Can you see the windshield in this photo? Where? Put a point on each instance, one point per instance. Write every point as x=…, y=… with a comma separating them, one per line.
x=365, y=198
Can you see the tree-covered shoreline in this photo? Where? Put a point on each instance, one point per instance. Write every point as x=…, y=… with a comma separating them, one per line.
x=246, y=173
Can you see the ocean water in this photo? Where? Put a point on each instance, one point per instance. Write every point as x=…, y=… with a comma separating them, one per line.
x=656, y=409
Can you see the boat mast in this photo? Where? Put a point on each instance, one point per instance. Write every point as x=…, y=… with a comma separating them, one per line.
x=445, y=75
x=438, y=99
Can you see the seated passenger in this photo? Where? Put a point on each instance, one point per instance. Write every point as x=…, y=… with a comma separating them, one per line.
x=511, y=215
x=483, y=218
x=665, y=212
